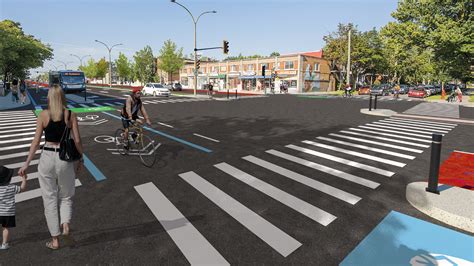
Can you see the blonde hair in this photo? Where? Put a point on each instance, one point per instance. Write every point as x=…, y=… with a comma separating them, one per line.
x=56, y=102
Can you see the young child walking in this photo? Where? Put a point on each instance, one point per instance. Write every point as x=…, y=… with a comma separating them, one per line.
x=7, y=202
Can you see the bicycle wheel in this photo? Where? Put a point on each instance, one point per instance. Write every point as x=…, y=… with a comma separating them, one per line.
x=120, y=142
x=146, y=150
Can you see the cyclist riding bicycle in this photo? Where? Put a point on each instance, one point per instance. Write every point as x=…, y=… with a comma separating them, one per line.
x=348, y=90
x=130, y=110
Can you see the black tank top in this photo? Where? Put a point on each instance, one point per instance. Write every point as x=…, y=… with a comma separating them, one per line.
x=54, y=130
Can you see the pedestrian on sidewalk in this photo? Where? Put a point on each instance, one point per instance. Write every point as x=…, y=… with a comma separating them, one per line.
x=56, y=177
x=23, y=88
x=459, y=93
x=15, y=91
x=7, y=203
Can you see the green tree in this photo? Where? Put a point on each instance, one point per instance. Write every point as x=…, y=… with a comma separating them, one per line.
x=20, y=52
x=143, y=66
x=171, y=58
x=90, y=69
x=124, y=69
x=274, y=54
x=102, y=66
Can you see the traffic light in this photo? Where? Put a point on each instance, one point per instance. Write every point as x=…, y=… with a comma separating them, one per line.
x=226, y=47
x=198, y=63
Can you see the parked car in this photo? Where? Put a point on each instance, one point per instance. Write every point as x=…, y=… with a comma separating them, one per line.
x=403, y=89
x=418, y=92
x=364, y=90
x=176, y=86
x=431, y=89
x=155, y=89
x=382, y=90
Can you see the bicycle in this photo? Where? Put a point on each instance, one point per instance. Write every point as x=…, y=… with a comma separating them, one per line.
x=137, y=143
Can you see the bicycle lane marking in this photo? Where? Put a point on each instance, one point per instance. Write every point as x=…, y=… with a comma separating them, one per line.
x=169, y=136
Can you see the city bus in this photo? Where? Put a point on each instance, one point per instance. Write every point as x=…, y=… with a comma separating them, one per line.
x=71, y=81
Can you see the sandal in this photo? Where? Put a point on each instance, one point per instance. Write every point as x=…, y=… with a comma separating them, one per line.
x=50, y=245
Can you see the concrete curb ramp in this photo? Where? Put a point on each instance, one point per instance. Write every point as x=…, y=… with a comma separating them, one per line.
x=453, y=206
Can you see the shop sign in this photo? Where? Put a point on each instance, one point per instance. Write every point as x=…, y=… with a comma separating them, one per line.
x=286, y=72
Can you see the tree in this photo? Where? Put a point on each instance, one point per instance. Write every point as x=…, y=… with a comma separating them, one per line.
x=274, y=54
x=20, y=52
x=90, y=69
x=143, y=66
x=124, y=69
x=171, y=58
x=101, y=68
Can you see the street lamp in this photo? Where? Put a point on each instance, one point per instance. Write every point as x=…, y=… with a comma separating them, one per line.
x=55, y=67
x=80, y=58
x=64, y=63
x=110, y=58
x=195, y=46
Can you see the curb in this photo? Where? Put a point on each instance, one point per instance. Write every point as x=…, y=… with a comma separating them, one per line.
x=378, y=112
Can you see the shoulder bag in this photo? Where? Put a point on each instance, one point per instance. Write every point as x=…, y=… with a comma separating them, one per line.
x=67, y=147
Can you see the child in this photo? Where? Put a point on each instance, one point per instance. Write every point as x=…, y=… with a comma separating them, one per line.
x=7, y=202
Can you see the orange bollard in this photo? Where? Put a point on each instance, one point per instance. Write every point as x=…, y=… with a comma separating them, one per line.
x=443, y=92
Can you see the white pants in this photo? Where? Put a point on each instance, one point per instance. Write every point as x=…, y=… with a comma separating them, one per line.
x=56, y=178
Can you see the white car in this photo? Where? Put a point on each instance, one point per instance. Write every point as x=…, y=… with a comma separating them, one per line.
x=155, y=89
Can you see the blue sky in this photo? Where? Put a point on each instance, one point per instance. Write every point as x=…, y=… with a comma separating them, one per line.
x=251, y=27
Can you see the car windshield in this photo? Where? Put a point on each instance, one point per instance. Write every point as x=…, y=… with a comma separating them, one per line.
x=158, y=86
x=376, y=87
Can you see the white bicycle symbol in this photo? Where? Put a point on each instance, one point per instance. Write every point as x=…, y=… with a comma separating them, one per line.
x=87, y=117
x=104, y=139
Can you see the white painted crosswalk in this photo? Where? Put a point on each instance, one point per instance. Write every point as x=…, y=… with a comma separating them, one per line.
x=376, y=150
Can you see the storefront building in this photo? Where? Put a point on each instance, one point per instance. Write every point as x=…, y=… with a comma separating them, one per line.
x=299, y=73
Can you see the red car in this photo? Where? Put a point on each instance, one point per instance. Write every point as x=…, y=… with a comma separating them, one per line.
x=417, y=92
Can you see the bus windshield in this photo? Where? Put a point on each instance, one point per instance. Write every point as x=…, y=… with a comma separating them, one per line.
x=77, y=78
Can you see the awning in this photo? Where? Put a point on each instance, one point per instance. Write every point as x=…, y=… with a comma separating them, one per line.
x=221, y=76
x=255, y=77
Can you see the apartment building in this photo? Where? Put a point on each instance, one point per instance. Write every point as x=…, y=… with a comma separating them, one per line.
x=299, y=72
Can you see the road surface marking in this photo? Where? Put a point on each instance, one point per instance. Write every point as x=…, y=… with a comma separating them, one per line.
x=424, y=122
x=98, y=105
x=204, y=137
x=389, y=135
x=10, y=119
x=18, y=130
x=374, y=127
x=16, y=140
x=17, y=179
x=421, y=127
x=20, y=164
x=416, y=124
x=17, y=134
x=386, y=139
x=84, y=105
x=109, y=104
x=303, y=207
x=33, y=122
x=328, y=170
x=18, y=154
x=36, y=193
x=314, y=184
x=270, y=234
x=17, y=147
x=421, y=131
x=166, y=125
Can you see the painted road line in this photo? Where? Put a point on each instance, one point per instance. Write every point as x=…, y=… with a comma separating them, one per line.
x=18, y=165
x=17, y=134
x=169, y=136
x=270, y=234
x=109, y=104
x=118, y=103
x=389, y=135
x=354, y=153
x=342, y=161
x=166, y=125
x=98, y=105
x=18, y=123
x=386, y=139
x=70, y=106
x=96, y=173
x=31, y=176
x=363, y=147
x=314, y=213
x=17, y=146
x=414, y=124
x=104, y=91
x=18, y=130
x=16, y=140
x=405, y=129
x=314, y=184
x=399, y=131
x=36, y=193
x=421, y=127
x=18, y=154
x=16, y=112
x=204, y=137
x=328, y=170
x=424, y=122
x=146, y=102
x=19, y=126
x=196, y=249
x=11, y=119
x=84, y=105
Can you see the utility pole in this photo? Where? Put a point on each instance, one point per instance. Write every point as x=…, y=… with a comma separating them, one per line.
x=348, y=58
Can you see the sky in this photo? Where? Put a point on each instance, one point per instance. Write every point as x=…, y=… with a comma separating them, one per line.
x=251, y=27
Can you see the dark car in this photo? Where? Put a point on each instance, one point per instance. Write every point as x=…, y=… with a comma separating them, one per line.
x=382, y=90
x=176, y=86
x=403, y=89
x=430, y=89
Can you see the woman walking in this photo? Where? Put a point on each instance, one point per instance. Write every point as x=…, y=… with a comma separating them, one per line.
x=56, y=177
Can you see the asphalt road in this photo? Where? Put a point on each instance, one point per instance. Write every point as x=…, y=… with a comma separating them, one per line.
x=113, y=224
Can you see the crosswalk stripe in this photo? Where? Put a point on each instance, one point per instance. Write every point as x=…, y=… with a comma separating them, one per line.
x=16, y=112
x=382, y=138
x=70, y=106
x=17, y=147
x=376, y=143
x=15, y=140
x=18, y=154
x=109, y=104
x=36, y=193
x=18, y=165
x=403, y=129
x=329, y=170
x=424, y=121
x=84, y=105
x=402, y=125
x=118, y=103
x=18, y=119
x=342, y=161
x=18, y=123
x=308, y=210
x=270, y=234
x=18, y=130
x=401, y=155
x=354, y=153
x=411, y=123
x=196, y=249
x=11, y=117
x=31, y=176
x=389, y=135
x=17, y=134
x=98, y=105
x=18, y=126
x=327, y=189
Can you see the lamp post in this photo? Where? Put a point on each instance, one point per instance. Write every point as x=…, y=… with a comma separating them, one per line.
x=110, y=59
x=80, y=58
x=64, y=63
x=195, y=42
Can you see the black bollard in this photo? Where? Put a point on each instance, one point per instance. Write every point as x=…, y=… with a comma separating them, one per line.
x=375, y=102
x=434, y=163
x=227, y=94
x=235, y=94
x=370, y=103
